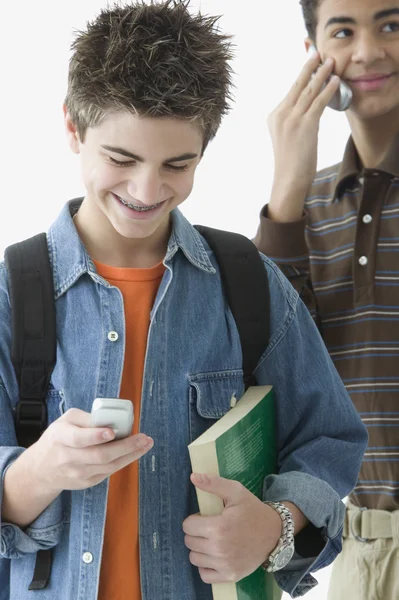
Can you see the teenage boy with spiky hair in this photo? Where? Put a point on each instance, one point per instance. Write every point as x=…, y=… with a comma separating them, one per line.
x=335, y=235
x=141, y=315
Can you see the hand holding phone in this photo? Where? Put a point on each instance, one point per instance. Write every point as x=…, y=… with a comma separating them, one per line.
x=294, y=128
x=114, y=413
x=342, y=98
x=73, y=455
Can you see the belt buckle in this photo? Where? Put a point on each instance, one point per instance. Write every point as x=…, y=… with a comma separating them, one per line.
x=358, y=538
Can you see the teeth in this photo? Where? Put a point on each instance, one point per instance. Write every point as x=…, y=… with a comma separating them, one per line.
x=139, y=208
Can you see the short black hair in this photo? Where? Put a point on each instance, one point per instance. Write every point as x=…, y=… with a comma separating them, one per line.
x=309, y=10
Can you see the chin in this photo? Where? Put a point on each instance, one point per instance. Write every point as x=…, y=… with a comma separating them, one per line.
x=134, y=233
x=373, y=108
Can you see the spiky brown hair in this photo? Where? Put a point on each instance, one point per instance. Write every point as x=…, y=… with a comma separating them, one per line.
x=154, y=59
x=309, y=11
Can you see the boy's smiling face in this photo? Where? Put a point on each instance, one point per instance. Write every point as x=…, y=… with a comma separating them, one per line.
x=136, y=170
x=363, y=38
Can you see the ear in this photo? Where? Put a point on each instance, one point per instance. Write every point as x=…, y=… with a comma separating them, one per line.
x=309, y=43
x=71, y=131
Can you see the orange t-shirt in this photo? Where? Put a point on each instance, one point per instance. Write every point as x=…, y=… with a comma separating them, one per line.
x=120, y=566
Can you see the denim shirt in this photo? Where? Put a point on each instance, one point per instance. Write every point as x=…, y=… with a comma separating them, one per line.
x=193, y=366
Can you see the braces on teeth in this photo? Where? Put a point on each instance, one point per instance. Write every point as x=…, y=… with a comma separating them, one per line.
x=139, y=208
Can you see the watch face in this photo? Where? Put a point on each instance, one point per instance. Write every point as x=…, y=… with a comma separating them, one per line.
x=283, y=557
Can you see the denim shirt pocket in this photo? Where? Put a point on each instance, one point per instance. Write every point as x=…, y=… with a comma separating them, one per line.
x=211, y=396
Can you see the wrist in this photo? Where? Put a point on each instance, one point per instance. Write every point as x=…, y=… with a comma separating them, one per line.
x=34, y=469
x=24, y=496
x=284, y=549
x=286, y=203
x=300, y=521
x=274, y=526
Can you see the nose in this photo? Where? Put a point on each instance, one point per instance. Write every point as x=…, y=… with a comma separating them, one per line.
x=146, y=185
x=367, y=50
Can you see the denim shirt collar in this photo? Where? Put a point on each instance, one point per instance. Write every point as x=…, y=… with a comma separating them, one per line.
x=70, y=259
x=186, y=238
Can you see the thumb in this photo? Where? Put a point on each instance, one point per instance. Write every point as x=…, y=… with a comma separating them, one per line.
x=230, y=491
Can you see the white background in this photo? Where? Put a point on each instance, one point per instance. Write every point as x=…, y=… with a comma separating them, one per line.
x=38, y=172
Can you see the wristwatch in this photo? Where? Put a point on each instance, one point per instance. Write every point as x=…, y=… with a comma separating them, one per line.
x=283, y=552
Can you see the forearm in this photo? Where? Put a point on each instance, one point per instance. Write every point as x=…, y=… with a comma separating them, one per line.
x=24, y=497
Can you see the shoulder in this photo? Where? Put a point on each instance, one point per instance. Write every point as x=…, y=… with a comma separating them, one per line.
x=278, y=283
x=284, y=301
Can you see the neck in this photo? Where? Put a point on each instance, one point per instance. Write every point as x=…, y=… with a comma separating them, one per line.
x=105, y=245
x=373, y=137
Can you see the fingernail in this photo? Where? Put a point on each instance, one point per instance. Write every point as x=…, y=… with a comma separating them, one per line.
x=144, y=442
x=108, y=435
x=329, y=62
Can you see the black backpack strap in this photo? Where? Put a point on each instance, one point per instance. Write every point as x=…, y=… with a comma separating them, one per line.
x=246, y=286
x=33, y=351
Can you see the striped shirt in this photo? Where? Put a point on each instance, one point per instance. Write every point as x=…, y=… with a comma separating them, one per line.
x=343, y=258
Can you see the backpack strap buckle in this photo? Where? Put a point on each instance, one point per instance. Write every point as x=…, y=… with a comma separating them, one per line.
x=31, y=413
x=30, y=420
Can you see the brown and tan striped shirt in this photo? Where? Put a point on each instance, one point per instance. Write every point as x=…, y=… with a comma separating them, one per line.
x=343, y=258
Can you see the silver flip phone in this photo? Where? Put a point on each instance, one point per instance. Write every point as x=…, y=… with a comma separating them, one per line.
x=343, y=96
x=114, y=413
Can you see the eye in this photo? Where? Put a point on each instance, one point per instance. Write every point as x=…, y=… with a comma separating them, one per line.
x=342, y=33
x=122, y=163
x=175, y=168
x=390, y=27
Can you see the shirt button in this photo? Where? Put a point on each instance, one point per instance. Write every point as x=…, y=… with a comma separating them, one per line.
x=87, y=558
x=367, y=219
x=113, y=336
x=363, y=260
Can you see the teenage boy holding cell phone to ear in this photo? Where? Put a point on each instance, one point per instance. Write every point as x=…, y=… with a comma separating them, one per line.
x=335, y=235
x=142, y=315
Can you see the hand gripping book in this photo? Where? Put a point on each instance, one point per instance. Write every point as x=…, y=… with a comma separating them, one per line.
x=240, y=446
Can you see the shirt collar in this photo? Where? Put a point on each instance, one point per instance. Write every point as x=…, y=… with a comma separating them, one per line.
x=348, y=171
x=70, y=259
x=390, y=164
x=350, y=168
x=186, y=238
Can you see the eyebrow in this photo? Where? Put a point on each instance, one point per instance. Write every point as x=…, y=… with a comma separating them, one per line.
x=383, y=14
x=339, y=21
x=386, y=13
x=182, y=157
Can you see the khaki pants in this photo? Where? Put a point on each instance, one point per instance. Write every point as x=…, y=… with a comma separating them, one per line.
x=368, y=566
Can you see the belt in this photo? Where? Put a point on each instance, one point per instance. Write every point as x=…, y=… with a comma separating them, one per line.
x=365, y=524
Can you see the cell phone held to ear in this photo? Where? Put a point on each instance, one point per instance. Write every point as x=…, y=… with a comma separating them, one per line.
x=114, y=413
x=343, y=96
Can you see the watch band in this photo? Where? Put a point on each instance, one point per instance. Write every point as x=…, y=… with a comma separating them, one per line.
x=284, y=550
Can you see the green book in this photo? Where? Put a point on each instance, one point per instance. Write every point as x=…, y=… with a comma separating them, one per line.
x=240, y=446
